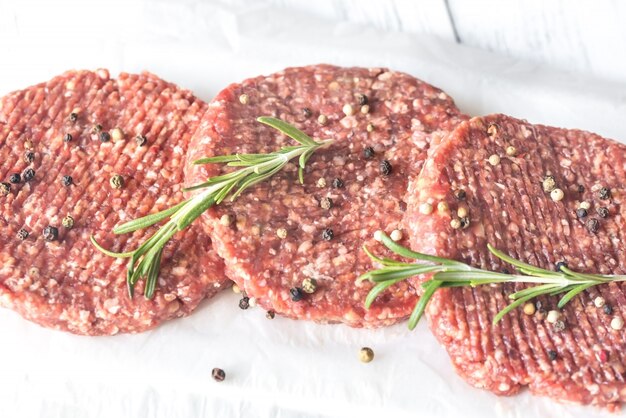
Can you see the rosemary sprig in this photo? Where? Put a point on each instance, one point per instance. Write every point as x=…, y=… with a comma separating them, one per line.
x=450, y=273
x=146, y=259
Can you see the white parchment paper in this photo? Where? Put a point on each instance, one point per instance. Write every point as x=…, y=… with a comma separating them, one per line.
x=279, y=368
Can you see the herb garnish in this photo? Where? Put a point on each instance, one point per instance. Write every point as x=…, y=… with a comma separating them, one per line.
x=146, y=259
x=451, y=273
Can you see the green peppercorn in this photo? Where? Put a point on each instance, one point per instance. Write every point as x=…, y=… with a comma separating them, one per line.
x=68, y=222
x=117, y=181
x=5, y=189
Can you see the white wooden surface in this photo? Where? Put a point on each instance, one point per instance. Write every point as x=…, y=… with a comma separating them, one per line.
x=586, y=36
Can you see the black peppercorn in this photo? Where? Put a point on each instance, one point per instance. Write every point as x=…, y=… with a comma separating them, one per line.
x=29, y=157
x=244, y=303
x=363, y=100
x=22, y=234
x=581, y=188
x=338, y=183
x=328, y=234
x=460, y=194
x=603, y=212
x=67, y=138
x=50, y=233
x=368, y=153
x=270, y=314
x=307, y=112
x=67, y=180
x=105, y=137
x=593, y=225
x=581, y=212
x=608, y=310
x=73, y=117
x=465, y=222
x=15, y=178
x=552, y=355
x=560, y=264
x=218, y=374
x=296, y=294
x=28, y=174
x=97, y=128
x=140, y=140
x=385, y=167
x=604, y=193
x=5, y=188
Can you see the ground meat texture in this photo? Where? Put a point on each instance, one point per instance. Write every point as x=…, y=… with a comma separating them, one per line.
x=407, y=115
x=68, y=284
x=508, y=207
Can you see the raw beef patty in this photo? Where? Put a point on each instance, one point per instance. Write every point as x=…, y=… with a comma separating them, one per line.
x=280, y=233
x=61, y=143
x=580, y=357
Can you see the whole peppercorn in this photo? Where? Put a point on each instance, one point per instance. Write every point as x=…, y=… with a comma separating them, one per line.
x=338, y=183
x=362, y=99
x=105, y=137
x=67, y=180
x=67, y=138
x=368, y=153
x=552, y=355
x=97, y=128
x=117, y=181
x=29, y=157
x=604, y=193
x=581, y=212
x=50, y=233
x=5, y=189
x=68, y=222
x=73, y=117
x=244, y=303
x=28, y=174
x=593, y=225
x=15, y=178
x=327, y=234
x=560, y=264
x=307, y=112
x=326, y=203
x=22, y=234
x=603, y=212
x=366, y=354
x=218, y=374
x=309, y=285
x=385, y=167
x=296, y=294
x=460, y=194
x=608, y=310
x=270, y=314
x=140, y=140
x=581, y=188
x=549, y=184
x=465, y=222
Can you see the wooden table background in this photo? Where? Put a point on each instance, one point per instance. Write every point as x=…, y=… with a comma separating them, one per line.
x=583, y=36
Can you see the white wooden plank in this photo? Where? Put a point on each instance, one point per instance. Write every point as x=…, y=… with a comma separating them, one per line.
x=425, y=17
x=582, y=36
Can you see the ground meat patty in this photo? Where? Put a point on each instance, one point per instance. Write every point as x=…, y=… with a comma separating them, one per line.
x=508, y=207
x=283, y=232
x=50, y=131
